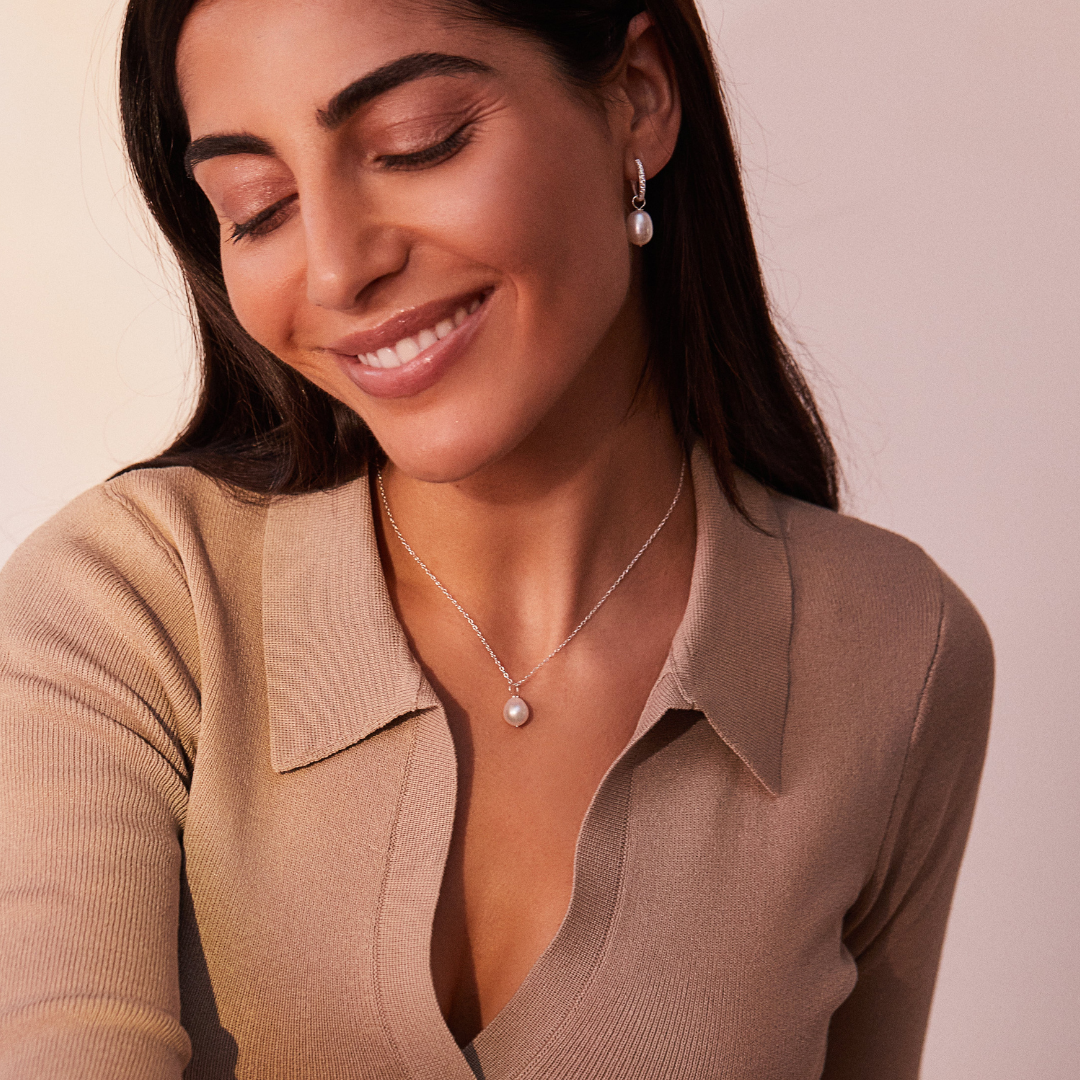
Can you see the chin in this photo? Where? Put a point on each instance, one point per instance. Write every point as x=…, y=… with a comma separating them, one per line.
x=474, y=422
x=446, y=456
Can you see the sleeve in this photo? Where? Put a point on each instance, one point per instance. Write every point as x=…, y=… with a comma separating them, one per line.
x=97, y=682
x=896, y=930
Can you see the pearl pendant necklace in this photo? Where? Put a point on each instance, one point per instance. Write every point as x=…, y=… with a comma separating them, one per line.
x=516, y=712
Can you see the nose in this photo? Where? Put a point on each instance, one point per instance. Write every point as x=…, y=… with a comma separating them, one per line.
x=348, y=247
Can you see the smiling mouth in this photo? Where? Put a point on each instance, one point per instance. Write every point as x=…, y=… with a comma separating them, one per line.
x=409, y=348
x=403, y=338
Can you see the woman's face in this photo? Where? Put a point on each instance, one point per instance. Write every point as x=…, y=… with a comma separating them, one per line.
x=422, y=217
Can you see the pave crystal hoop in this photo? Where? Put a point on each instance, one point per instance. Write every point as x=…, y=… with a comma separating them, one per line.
x=639, y=227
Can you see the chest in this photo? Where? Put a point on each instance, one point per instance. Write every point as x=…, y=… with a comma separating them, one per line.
x=523, y=793
x=522, y=796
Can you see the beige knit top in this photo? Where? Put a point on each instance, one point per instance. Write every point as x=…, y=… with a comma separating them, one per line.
x=227, y=792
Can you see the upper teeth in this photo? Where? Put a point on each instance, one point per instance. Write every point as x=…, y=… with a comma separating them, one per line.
x=409, y=348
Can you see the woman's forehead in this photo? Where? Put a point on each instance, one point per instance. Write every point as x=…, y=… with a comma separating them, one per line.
x=288, y=36
x=253, y=56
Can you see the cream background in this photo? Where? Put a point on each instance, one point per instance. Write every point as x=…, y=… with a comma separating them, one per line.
x=913, y=173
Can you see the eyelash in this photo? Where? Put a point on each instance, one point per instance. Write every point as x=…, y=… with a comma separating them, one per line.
x=263, y=222
x=430, y=154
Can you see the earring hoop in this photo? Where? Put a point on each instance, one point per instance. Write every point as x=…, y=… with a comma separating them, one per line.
x=639, y=226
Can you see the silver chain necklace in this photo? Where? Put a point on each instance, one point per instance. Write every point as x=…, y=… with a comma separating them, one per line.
x=515, y=711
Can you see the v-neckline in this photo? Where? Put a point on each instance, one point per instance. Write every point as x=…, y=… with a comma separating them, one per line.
x=562, y=973
x=414, y=872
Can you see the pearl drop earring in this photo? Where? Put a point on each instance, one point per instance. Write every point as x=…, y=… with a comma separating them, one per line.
x=639, y=224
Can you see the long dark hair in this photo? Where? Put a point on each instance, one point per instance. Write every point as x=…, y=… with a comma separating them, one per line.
x=727, y=375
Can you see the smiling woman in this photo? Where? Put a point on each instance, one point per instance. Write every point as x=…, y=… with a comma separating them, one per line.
x=468, y=429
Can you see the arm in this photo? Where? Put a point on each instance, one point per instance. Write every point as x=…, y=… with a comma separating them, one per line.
x=895, y=931
x=93, y=692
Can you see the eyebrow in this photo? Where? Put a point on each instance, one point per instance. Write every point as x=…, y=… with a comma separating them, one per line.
x=343, y=104
x=389, y=76
x=211, y=146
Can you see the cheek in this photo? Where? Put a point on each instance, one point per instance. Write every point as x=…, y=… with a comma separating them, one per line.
x=546, y=214
x=264, y=287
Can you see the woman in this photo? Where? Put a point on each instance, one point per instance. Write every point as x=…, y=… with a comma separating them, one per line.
x=484, y=682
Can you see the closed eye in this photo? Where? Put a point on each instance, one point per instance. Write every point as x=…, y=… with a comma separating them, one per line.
x=265, y=221
x=430, y=155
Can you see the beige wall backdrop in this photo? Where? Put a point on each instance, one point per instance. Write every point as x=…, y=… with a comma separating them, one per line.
x=914, y=173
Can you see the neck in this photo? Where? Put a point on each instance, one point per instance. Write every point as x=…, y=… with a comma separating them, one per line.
x=529, y=543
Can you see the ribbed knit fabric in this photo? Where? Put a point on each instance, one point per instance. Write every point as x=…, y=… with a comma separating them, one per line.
x=227, y=795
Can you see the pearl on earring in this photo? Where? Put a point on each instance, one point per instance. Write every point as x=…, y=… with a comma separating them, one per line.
x=639, y=227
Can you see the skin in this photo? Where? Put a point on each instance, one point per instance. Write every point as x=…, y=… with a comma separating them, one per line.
x=529, y=473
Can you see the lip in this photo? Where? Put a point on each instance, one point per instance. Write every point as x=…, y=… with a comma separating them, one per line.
x=425, y=369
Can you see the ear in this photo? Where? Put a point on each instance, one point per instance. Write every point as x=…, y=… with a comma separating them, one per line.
x=648, y=86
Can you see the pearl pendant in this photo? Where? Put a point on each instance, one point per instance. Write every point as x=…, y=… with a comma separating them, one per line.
x=515, y=712
x=639, y=227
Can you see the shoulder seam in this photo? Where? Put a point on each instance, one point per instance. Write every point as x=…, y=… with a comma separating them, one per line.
x=144, y=522
x=916, y=713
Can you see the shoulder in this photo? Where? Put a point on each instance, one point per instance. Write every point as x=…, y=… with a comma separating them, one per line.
x=852, y=553
x=131, y=567
x=880, y=595
x=158, y=516
x=187, y=510
x=103, y=611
